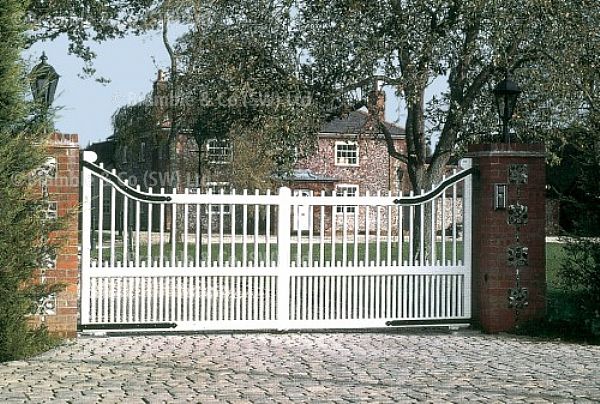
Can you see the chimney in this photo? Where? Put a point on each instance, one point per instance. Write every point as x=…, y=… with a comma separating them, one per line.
x=160, y=91
x=376, y=101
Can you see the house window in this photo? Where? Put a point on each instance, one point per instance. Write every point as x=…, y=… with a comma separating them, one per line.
x=346, y=153
x=218, y=151
x=346, y=190
x=215, y=188
x=142, y=155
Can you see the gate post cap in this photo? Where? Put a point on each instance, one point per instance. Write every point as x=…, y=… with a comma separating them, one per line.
x=285, y=191
x=90, y=156
x=465, y=163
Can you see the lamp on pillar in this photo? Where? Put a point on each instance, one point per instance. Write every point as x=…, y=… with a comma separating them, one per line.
x=506, y=94
x=44, y=80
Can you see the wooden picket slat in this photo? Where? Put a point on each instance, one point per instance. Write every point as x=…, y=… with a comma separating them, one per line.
x=196, y=260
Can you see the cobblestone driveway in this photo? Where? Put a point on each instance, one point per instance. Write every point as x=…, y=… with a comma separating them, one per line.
x=344, y=367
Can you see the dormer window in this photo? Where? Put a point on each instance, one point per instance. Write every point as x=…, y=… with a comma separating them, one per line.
x=218, y=151
x=346, y=153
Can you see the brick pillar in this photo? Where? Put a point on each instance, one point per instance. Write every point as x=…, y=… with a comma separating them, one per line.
x=63, y=190
x=494, y=274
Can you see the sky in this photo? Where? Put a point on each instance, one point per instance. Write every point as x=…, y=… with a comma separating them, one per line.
x=86, y=106
x=131, y=64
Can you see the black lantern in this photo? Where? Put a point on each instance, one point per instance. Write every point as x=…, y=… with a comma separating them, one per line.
x=506, y=94
x=44, y=80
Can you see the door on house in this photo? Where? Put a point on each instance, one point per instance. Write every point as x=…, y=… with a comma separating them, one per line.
x=302, y=213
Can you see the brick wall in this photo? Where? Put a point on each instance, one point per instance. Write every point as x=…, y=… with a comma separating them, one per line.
x=376, y=170
x=493, y=277
x=60, y=316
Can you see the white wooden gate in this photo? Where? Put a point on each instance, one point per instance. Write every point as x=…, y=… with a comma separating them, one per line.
x=187, y=261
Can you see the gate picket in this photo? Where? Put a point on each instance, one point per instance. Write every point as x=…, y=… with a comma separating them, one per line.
x=370, y=262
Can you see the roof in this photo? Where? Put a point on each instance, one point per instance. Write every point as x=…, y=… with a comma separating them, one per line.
x=305, y=175
x=356, y=122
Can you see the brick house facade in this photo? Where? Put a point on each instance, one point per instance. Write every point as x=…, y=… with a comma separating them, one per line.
x=361, y=161
x=349, y=158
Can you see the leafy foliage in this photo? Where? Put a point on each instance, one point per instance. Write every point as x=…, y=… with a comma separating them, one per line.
x=580, y=274
x=131, y=121
x=469, y=46
x=574, y=181
x=240, y=69
x=21, y=216
x=243, y=63
x=83, y=22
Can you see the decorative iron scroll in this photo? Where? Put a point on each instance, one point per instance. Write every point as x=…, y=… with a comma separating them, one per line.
x=48, y=256
x=518, y=214
x=45, y=306
x=518, y=254
x=48, y=169
x=413, y=200
x=518, y=297
x=48, y=259
x=122, y=186
x=518, y=174
x=51, y=212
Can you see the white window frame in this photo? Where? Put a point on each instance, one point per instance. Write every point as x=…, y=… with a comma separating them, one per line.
x=346, y=160
x=341, y=190
x=216, y=190
x=218, y=151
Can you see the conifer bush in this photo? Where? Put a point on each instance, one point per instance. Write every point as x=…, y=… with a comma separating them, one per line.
x=23, y=230
x=580, y=274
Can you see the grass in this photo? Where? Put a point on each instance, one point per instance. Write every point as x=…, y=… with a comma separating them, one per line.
x=554, y=257
x=250, y=250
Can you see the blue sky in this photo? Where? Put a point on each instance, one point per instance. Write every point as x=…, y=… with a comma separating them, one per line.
x=131, y=63
x=86, y=106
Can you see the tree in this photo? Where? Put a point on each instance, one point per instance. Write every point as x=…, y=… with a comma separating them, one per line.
x=468, y=45
x=22, y=246
x=573, y=103
x=240, y=72
x=85, y=21
x=412, y=44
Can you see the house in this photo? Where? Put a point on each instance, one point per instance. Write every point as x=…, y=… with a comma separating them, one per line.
x=350, y=158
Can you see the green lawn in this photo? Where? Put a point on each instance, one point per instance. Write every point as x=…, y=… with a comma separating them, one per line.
x=554, y=257
x=264, y=255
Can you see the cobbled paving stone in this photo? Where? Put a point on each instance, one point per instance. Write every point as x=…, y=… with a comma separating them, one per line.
x=307, y=367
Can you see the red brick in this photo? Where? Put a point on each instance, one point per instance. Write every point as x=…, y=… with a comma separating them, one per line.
x=492, y=277
x=65, y=192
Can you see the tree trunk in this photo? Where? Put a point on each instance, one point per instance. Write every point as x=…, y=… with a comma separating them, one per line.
x=425, y=171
